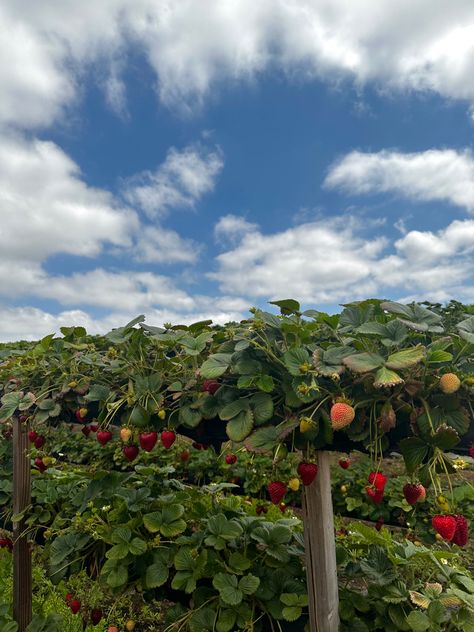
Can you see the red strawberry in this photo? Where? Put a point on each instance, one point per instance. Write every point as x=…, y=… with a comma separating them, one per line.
x=307, y=472
x=375, y=494
x=471, y=451
x=379, y=523
x=414, y=492
x=40, y=465
x=378, y=480
x=94, y=427
x=81, y=413
x=168, y=437
x=184, y=456
x=6, y=543
x=276, y=491
x=96, y=616
x=445, y=526
x=130, y=452
x=104, y=436
x=344, y=463
x=75, y=606
x=32, y=436
x=86, y=430
x=461, y=535
x=39, y=441
x=147, y=440
x=341, y=415
x=230, y=459
x=210, y=386
x=69, y=597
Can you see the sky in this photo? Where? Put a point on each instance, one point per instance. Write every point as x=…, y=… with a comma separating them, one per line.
x=190, y=159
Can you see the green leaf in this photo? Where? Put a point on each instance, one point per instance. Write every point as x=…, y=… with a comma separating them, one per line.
x=418, y=621
x=262, y=440
x=265, y=383
x=262, y=406
x=202, y=620
x=287, y=306
x=414, y=451
x=445, y=438
x=363, y=362
x=227, y=586
x=137, y=547
x=385, y=377
x=438, y=355
x=190, y=417
x=292, y=613
x=117, y=577
x=240, y=427
x=239, y=561
x=249, y=584
x=118, y=552
x=156, y=575
x=97, y=393
x=294, y=359
x=406, y=358
x=232, y=409
x=466, y=329
x=216, y=365
x=226, y=620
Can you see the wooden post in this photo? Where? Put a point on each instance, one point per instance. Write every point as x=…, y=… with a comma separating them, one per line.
x=22, y=578
x=320, y=544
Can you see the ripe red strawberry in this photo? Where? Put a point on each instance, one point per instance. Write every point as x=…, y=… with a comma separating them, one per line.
x=414, y=492
x=471, y=451
x=445, y=526
x=130, y=452
x=96, y=616
x=6, y=543
x=307, y=472
x=230, y=459
x=75, y=606
x=86, y=430
x=168, y=437
x=379, y=524
x=40, y=465
x=184, y=456
x=147, y=440
x=69, y=597
x=276, y=491
x=32, y=436
x=94, y=427
x=344, y=463
x=39, y=441
x=210, y=386
x=378, y=480
x=376, y=495
x=341, y=415
x=104, y=436
x=461, y=535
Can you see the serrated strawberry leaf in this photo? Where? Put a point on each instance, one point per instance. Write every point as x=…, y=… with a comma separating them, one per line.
x=363, y=362
x=385, y=377
x=406, y=358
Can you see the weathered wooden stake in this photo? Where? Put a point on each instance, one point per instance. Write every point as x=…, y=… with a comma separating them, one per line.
x=320, y=544
x=22, y=579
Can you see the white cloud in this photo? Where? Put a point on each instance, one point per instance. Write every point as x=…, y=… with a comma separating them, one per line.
x=436, y=174
x=183, y=178
x=156, y=244
x=399, y=45
x=231, y=228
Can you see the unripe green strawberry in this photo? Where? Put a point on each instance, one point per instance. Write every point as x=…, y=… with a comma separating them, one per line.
x=341, y=415
x=306, y=423
x=449, y=383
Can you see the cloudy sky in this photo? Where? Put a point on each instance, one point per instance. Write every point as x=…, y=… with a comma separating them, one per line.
x=188, y=159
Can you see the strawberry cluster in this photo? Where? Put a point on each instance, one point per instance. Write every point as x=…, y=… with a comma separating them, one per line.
x=453, y=528
x=376, y=488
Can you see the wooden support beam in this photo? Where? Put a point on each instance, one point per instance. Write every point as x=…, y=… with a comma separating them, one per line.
x=320, y=556
x=22, y=577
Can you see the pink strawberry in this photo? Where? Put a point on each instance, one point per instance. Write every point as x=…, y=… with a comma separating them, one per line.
x=210, y=386
x=461, y=535
x=39, y=441
x=130, y=452
x=75, y=606
x=375, y=495
x=168, y=437
x=148, y=440
x=104, y=436
x=344, y=463
x=445, y=526
x=32, y=436
x=276, y=491
x=230, y=459
x=414, y=492
x=378, y=480
x=307, y=472
x=341, y=415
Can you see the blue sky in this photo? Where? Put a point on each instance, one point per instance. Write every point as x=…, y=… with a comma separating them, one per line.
x=158, y=159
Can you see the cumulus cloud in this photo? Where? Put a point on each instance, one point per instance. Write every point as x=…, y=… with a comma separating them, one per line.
x=180, y=182
x=436, y=174
x=402, y=45
x=230, y=228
